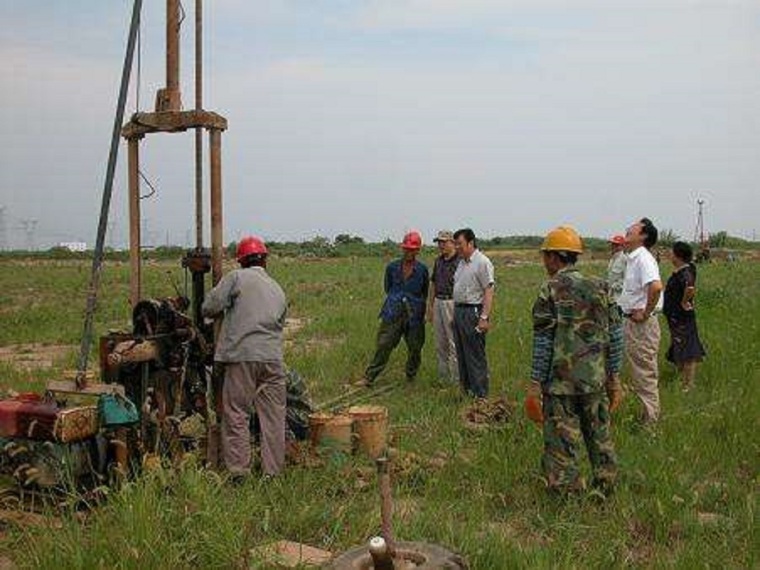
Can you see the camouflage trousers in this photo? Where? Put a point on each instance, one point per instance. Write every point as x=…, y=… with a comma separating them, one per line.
x=566, y=420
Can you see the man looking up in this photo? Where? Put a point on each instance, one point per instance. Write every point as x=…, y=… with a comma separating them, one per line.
x=640, y=302
x=473, y=303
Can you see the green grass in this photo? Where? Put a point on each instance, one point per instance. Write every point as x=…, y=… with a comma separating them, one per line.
x=687, y=496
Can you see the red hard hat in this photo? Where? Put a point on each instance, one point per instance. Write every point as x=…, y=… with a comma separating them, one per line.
x=617, y=239
x=250, y=245
x=412, y=240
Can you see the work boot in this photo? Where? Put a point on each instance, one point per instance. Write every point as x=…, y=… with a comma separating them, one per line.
x=238, y=479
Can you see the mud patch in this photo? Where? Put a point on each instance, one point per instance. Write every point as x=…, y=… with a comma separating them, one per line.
x=293, y=325
x=35, y=356
x=640, y=549
x=484, y=413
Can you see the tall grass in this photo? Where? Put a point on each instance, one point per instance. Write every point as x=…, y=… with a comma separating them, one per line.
x=687, y=496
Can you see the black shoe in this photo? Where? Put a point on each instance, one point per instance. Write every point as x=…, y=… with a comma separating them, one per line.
x=237, y=480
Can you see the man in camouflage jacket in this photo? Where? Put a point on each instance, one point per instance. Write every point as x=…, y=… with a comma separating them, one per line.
x=577, y=352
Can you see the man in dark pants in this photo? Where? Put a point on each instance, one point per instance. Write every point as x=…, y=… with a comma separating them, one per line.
x=473, y=302
x=403, y=313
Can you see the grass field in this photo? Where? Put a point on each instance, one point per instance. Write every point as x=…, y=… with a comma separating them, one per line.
x=688, y=490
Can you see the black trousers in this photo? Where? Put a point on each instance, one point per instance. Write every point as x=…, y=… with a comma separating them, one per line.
x=471, y=350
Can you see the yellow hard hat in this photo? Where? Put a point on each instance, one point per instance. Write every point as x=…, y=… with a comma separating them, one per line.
x=563, y=238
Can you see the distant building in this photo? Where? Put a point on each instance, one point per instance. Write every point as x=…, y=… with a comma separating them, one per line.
x=73, y=245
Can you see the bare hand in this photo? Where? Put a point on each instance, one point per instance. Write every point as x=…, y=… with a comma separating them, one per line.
x=614, y=391
x=638, y=316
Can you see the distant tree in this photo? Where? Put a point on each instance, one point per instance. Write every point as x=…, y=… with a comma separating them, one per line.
x=318, y=246
x=718, y=239
x=346, y=239
x=667, y=237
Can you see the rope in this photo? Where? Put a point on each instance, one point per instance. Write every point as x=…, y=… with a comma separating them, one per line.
x=152, y=188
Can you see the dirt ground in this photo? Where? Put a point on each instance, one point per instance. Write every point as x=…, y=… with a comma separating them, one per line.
x=35, y=356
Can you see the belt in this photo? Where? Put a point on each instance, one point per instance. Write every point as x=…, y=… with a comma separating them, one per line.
x=444, y=297
x=478, y=305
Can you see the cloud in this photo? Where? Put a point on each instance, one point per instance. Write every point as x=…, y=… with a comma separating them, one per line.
x=371, y=117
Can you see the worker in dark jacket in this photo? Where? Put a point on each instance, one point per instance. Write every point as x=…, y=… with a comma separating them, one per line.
x=403, y=312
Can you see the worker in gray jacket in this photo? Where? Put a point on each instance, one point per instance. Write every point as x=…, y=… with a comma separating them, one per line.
x=250, y=345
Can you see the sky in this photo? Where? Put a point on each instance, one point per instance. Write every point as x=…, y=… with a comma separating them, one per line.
x=373, y=117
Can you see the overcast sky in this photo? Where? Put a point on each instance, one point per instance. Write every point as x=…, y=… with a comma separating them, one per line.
x=371, y=117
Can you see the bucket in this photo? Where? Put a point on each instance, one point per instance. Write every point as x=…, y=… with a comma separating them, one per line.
x=370, y=429
x=329, y=430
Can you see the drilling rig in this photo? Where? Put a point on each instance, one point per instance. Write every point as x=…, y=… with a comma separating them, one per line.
x=158, y=391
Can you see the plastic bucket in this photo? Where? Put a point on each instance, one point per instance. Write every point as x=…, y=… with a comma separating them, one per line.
x=370, y=429
x=330, y=430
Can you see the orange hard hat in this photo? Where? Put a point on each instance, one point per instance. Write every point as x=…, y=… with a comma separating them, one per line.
x=563, y=238
x=617, y=239
x=412, y=240
x=250, y=245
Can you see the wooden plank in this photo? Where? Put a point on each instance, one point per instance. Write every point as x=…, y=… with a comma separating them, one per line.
x=142, y=124
x=68, y=387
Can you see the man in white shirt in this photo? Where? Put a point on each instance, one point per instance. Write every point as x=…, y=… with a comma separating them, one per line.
x=473, y=303
x=640, y=302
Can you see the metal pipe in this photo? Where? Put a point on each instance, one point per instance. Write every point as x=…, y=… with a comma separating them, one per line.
x=386, y=504
x=135, y=278
x=172, y=45
x=97, y=258
x=169, y=99
x=381, y=556
x=198, y=130
x=215, y=144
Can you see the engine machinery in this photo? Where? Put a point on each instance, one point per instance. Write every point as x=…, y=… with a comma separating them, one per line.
x=157, y=385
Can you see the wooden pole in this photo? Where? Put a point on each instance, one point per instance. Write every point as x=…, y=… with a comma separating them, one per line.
x=215, y=172
x=134, y=220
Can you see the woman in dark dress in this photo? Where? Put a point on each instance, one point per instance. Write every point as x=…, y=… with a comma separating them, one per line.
x=686, y=349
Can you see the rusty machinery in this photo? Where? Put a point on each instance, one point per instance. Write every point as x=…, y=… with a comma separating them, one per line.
x=158, y=377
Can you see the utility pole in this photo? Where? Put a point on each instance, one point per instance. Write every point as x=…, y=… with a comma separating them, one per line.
x=703, y=252
x=699, y=231
x=30, y=230
x=3, y=233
